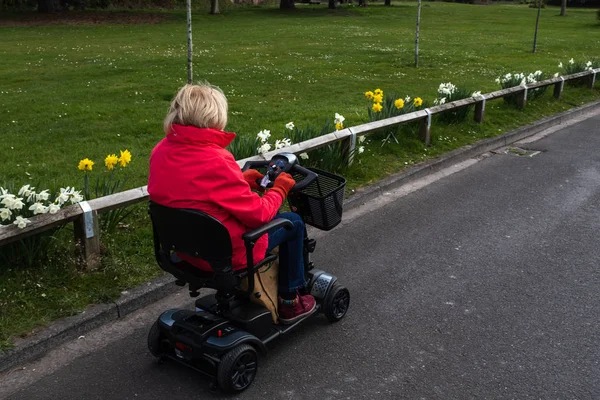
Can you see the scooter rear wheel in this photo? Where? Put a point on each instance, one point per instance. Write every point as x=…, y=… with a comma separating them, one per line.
x=237, y=368
x=154, y=340
x=337, y=303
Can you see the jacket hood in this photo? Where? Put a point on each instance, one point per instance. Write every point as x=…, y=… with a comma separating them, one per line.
x=195, y=135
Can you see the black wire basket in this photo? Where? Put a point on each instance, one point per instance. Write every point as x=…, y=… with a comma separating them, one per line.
x=320, y=204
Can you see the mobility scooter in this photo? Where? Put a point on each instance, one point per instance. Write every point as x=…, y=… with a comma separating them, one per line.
x=224, y=335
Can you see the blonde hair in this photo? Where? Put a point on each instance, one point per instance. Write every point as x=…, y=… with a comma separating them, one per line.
x=202, y=105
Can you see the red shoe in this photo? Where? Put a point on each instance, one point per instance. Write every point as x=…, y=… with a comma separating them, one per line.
x=302, y=306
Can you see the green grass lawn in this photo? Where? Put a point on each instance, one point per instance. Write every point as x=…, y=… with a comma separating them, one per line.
x=73, y=91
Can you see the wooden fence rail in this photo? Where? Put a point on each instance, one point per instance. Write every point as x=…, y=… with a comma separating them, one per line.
x=85, y=214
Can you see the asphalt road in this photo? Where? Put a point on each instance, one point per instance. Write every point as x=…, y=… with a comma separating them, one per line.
x=482, y=285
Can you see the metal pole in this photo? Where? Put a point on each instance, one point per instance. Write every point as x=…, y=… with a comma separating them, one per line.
x=189, y=40
x=417, y=35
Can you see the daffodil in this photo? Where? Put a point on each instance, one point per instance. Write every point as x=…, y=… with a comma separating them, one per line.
x=361, y=138
x=53, y=208
x=264, y=148
x=361, y=149
x=21, y=222
x=399, y=103
x=263, y=135
x=418, y=102
x=290, y=126
x=377, y=107
x=378, y=92
x=304, y=156
x=43, y=195
x=339, y=118
x=378, y=98
x=5, y=214
x=85, y=165
x=369, y=95
x=125, y=158
x=110, y=161
x=38, y=208
x=339, y=126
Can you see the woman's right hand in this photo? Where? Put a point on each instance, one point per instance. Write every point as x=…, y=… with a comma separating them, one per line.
x=283, y=184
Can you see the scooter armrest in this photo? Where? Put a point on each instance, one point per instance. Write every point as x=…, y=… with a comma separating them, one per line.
x=253, y=235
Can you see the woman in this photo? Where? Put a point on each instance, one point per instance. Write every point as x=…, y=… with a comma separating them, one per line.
x=191, y=168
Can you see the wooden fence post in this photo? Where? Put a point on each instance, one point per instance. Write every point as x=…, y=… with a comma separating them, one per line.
x=480, y=110
x=348, y=147
x=87, y=237
x=425, y=128
x=592, y=79
x=558, y=88
x=522, y=99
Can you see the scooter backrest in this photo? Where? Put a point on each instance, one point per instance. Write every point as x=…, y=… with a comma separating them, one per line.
x=191, y=232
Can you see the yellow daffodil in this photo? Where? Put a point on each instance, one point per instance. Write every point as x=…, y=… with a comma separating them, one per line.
x=378, y=98
x=339, y=126
x=369, y=94
x=125, y=158
x=111, y=160
x=418, y=102
x=378, y=92
x=85, y=165
x=377, y=107
x=399, y=103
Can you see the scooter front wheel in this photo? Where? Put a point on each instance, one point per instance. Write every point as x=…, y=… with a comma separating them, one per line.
x=336, y=303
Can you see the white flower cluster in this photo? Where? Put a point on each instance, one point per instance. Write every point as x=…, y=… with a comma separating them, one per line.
x=588, y=65
x=519, y=79
x=264, y=136
x=361, y=140
x=27, y=199
x=339, y=119
x=446, y=89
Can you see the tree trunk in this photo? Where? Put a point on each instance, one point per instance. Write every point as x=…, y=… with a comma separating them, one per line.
x=388, y=2
x=417, y=34
x=286, y=4
x=537, y=24
x=362, y=3
x=332, y=4
x=46, y=6
x=563, y=8
x=214, y=7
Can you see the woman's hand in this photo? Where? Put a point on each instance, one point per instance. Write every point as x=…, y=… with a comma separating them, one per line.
x=283, y=184
x=252, y=176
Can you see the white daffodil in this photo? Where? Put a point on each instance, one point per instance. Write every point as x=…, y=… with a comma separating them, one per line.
x=556, y=75
x=3, y=192
x=304, y=156
x=560, y=65
x=476, y=93
x=290, y=126
x=25, y=190
x=287, y=142
x=38, y=208
x=53, y=208
x=76, y=197
x=264, y=148
x=361, y=149
x=588, y=64
x=362, y=138
x=537, y=73
x=442, y=100
x=339, y=119
x=43, y=195
x=279, y=144
x=571, y=61
x=21, y=222
x=264, y=135
x=5, y=214
x=407, y=99
x=498, y=80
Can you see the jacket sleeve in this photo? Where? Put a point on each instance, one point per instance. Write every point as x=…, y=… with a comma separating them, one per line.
x=232, y=193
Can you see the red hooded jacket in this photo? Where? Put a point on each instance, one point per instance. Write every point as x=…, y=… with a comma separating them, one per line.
x=190, y=168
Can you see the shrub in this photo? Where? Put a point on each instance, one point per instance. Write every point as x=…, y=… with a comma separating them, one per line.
x=518, y=79
x=447, y=92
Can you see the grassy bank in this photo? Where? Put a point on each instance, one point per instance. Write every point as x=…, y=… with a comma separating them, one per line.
x=74, y=91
